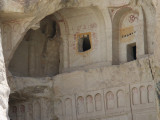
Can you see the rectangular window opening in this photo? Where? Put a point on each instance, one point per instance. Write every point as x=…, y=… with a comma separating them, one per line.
x=84, y=43
x=131, y=52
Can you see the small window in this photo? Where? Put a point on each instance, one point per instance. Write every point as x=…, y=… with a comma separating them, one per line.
x=84, y=43
x=131, y=52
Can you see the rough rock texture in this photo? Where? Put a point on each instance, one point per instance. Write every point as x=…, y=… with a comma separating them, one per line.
x=4, y=88
x=109, y=81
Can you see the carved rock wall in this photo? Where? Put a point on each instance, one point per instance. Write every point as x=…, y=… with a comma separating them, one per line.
x=117, y=92
x=4, y=88
x=125, y=91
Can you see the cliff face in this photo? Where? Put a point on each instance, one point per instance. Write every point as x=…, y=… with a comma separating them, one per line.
x=110, y=80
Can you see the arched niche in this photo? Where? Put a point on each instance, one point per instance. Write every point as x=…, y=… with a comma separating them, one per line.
x=90, y=105
x=30, y=58
x=38, y=54
x=120, y=98
x=135, y=96
x=110, y=100
x=13, y=112
x=98, y=102
x=68, y=109
x=80, y=105
x=128, y=35
x=143, y=95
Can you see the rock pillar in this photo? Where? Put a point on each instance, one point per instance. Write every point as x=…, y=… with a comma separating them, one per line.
x=4, y=88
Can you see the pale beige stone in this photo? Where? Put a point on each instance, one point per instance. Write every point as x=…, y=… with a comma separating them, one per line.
x=56, y=73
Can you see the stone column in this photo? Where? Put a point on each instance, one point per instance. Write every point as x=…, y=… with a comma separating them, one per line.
x=4, y=88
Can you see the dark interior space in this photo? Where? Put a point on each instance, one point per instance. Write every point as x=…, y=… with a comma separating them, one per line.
x=84, y=43
x=131, y=52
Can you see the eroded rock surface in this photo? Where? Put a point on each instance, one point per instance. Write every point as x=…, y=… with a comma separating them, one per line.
x=80, y=59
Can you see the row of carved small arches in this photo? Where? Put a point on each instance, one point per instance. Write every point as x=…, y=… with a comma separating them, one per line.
x=91, y=104
x=81, y=105
x=97, y=104
x=16, y=109
x=143, y=95
x=24, y=108
x=11, y=28
x=110, y=99
x=18, y=113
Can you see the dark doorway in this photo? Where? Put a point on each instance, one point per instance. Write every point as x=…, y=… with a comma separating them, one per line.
x=134, y=52
x=84, y=44
x=131, y=52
